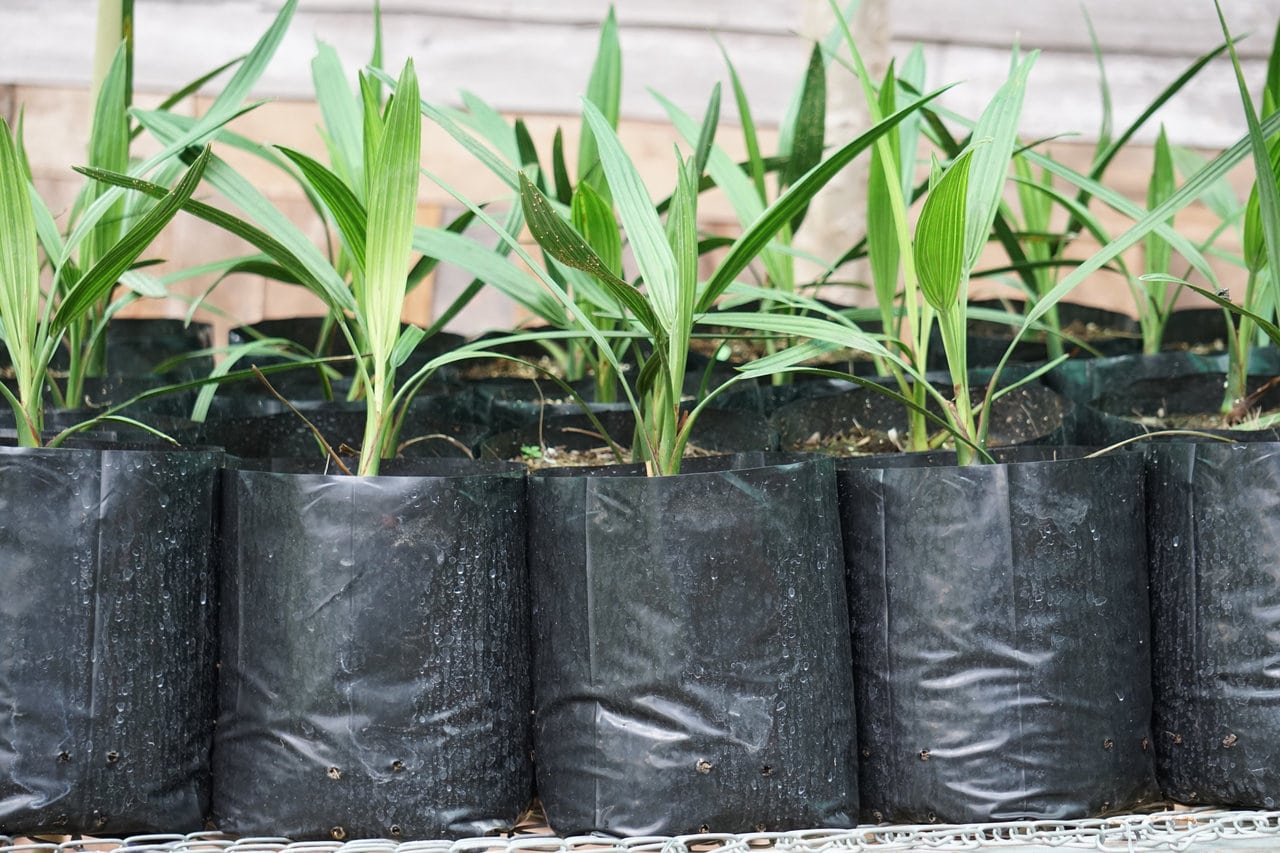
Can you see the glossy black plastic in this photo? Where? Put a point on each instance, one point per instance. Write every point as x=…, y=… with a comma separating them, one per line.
x=108, y=643
x=691, y=648
x=1001, y=637
x=1215, y=603
x=375, y=653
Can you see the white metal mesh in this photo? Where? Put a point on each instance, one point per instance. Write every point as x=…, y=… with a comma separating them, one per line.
x=1179, y=830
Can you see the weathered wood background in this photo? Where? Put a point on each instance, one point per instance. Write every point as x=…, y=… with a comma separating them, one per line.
x=532, y=57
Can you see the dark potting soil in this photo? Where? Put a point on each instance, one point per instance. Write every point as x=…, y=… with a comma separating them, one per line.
x=574, y=440
x=1193, y=402
x=864, y=422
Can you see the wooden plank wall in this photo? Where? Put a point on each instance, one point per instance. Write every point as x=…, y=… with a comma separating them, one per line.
x=532, y=57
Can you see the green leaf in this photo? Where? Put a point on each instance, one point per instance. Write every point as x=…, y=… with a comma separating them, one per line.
x=299, y=252
x=828, y=48
x=567, y=246
x=393, y=205
x=98, y=281
x=109, y=149
x=941, y=234
x=490, y=266
x=841, y=334
x=19, y=260
x=1271, y=91
x=408, y=341
x=343, y=204
x=737, y=187
x=372, y=125
x=425, y=265
x=342, y=116
x=144, y=285
x=1122, y=204
x=492, y=126
x=706, y=135
x=592, y=217
x=604, y=91
x=375, y=58
x=546, y=280
x=1161, y=186
x=226, y=106
x=1268, y=328
x=778, y=214
x=682, y=227
x=990, y=168
x=483, y=154
x=1266, y=185
x=908, y=135
x=755, y=163
x=808, y=134
x=526, y=149
x=1155, y=220
x=559, y=170
x=1117, y=145
x=1104, y=86
x=883, y=251
x=645, y=234
x=189, y=89
x=1219, y=197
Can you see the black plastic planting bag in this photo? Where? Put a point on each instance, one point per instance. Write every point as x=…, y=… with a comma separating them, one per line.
x=1148, y=404
x=374, y=653
x=1000, y=638
x=107, y=641
x=1085, y=379
x=691, y=648
x=434, y=429
x=1214, y=522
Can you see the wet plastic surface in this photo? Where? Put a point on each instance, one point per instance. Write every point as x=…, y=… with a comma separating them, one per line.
x=1001, y=639
x=691, y=642
x=1215, y=582
x=375, y=654
x=108, y=646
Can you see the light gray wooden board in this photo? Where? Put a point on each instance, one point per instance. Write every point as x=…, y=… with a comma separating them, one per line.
x=533, y=56
x=535, y=66
x=1124, y=27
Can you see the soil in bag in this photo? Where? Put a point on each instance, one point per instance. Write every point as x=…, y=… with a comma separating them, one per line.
x=863, y=421
x=1188, y=402
x=576, y=440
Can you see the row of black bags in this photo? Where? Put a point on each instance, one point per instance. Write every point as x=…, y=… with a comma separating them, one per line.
x=764, y=641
